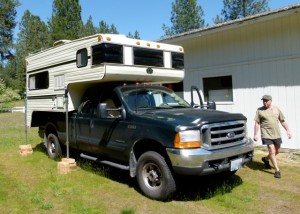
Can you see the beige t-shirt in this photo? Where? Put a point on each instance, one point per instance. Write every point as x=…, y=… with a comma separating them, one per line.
x=269, y=121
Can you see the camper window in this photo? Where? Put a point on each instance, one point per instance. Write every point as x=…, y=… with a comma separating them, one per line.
x=177, y=60
x=106, y=52
x=150, y=57
x=81, y=58
x=38, y=81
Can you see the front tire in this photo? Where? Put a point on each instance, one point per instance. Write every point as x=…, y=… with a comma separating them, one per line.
x=154, y=176
x=53, y=146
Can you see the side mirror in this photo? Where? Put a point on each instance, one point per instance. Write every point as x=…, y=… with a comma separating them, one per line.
x=102, y=110
x=211, y=105
x=123, y=112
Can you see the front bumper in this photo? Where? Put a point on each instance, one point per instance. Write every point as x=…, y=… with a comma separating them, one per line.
x=203, y=162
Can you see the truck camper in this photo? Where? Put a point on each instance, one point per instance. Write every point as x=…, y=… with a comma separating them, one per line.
x=103, y=95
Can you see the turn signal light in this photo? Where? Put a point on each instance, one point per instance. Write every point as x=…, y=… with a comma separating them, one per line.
x=187, y=139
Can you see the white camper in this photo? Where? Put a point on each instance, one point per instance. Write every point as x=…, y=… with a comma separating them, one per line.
x=71, y=66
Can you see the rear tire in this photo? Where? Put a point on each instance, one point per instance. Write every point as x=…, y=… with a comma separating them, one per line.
x=53, y=146
x=154, y=176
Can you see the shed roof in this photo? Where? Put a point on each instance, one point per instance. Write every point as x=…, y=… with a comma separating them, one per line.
x=281, y=12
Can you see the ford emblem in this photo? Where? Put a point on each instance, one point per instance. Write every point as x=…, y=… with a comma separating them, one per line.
x=231, y=135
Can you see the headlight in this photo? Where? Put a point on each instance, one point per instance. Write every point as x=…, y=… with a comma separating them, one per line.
x=187, y=139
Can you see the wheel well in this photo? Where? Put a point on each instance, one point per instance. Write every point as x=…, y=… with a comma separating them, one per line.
x=41, y=118
x=149, y=145
x=50, y=128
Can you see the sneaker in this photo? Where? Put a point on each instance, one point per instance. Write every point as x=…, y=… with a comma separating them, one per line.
x=277, y=174
x=266, y=163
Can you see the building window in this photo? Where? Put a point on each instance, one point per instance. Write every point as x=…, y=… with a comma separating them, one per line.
x=81, y=58
x=218, y=89
x=38, y=81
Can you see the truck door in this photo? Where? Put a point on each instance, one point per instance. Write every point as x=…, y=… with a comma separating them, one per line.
x=108, y=135
x=83, y=122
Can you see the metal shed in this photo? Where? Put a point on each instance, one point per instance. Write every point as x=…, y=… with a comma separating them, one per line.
x=237, y=62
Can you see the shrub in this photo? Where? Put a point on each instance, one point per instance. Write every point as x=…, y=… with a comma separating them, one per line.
x=7, y=94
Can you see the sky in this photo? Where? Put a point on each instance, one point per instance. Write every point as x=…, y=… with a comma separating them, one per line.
x=145, y=16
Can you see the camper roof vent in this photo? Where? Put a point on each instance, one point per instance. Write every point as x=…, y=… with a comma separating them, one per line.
x=60, y=42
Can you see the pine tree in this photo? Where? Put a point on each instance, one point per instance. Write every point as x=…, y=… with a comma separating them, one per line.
x=65, y=22
x=7, y=24
x=186, y=16
x=33, y=34
x=135, y=36
x=105, y=28
x=88, y=28
x=32, y=37
x=234, y=9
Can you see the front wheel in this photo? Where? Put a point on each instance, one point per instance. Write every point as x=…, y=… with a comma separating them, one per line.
x=53, y=146
x=154, y=176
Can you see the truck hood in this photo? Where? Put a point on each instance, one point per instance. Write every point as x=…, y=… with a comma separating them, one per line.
x=192, y=116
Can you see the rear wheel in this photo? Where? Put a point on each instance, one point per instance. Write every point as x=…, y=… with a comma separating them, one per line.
x=53, y=146
x=154, y=176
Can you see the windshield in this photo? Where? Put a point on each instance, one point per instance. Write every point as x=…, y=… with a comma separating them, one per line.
x=143, y=97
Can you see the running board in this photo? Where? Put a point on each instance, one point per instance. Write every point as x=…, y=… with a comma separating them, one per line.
x=109, y=163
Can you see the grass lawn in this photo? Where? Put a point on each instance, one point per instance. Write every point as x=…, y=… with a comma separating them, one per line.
x=32, y=184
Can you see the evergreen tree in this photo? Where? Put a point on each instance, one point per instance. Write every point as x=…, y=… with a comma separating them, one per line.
x=33, y=36
x=7, y=24
x=218, y=19
x=135, y=36
x=113, y=29
x=88, y=28
x=105, y=28
x=186, y=16
x=235, y=9
x=65, y=22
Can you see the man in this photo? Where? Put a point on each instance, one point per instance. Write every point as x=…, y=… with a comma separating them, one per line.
x=267, y=118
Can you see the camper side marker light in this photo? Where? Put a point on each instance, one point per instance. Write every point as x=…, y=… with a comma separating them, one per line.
x=100, y=38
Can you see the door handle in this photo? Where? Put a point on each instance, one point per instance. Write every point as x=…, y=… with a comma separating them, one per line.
x=91, y=124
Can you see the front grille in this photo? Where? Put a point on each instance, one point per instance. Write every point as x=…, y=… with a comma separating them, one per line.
x=222, y=135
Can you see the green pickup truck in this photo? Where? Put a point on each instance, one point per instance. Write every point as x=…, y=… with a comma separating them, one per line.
x=152, y=133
